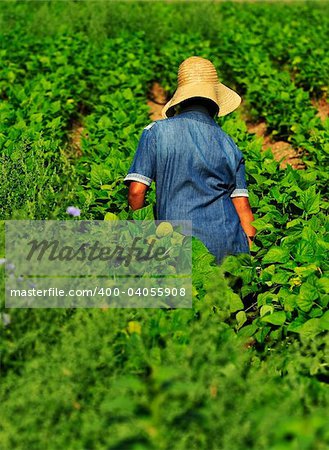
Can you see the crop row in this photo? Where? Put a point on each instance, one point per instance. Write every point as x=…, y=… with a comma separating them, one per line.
x=57, y=81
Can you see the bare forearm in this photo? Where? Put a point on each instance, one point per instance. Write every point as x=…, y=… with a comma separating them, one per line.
x=136, y=195
x=245, y=214
x=136, y=201
x=246, y=218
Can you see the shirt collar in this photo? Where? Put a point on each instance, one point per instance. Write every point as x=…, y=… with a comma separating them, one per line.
x=197, y=110
x=196, y=107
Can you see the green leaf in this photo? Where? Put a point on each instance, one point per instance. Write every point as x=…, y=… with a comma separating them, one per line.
x=247, y=275
x=261, y=224
x=324, y=321
x=304, y=251
x=265, y=298
x=55, y=123
x=262, y=333
x=127, y=94
x=230, y=264
x=235, y=302
x=241, y=318
x=265, y=309
x=323, y=284
x=36, y=117
x=324, y=300
x=306, y=297
x=276, y=335
x=289, y=302
x=104, y=122
x=144, y=213
x=248, y=331
x=281, y=277
x=111, y=216
x=99, y=175
x=268, y=272
x=276, y=255
x=310, y=328
x=277, y=318
x=310, y=201
x=296, y=325
x=295, y=223
x=316, y=312
x=305, y=271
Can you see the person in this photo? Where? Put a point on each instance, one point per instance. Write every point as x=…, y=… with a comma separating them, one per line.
x=199, y=171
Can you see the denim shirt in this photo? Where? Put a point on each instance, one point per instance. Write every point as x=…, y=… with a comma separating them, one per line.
x=197, y=168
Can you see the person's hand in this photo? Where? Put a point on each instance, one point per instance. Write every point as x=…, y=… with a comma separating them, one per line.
x=250, y=240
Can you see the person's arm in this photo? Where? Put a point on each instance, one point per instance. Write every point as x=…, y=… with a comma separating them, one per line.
x=240, y=197
x=245, y=214
x=143, y=169
x=136, y=194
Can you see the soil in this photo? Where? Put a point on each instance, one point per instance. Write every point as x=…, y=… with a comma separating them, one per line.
x=322, y=106
x=280, y=149
x=157, y=98
x=75, y=135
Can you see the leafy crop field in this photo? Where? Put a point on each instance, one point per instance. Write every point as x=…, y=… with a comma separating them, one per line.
x=247, y=367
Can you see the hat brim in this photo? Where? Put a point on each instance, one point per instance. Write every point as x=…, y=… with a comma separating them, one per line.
x=226, y=99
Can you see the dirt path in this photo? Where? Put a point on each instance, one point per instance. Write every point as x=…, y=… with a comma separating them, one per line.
x=156, y=100
x=280, y=149
x=322, y=106
x=74, y=142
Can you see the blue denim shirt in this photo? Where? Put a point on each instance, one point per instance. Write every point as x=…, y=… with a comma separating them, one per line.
x=197, y=168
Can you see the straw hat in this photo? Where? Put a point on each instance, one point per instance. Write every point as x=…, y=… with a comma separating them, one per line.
x=197, y=77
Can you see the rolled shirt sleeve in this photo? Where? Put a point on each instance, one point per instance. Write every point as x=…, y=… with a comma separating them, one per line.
x=143, y=166
x=240, y=188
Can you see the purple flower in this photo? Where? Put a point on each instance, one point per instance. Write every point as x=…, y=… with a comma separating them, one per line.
x=74, y=211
